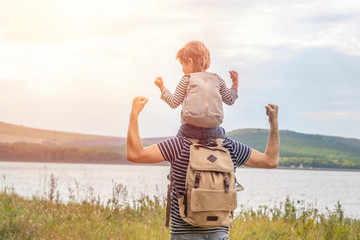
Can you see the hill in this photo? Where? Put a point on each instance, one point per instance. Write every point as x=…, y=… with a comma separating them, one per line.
x=307, y=150
x=19, y=143
x=10, y=133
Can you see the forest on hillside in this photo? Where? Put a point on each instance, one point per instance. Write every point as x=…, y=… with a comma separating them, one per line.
x=307, y=150
x=296, y=149
x=34, y=152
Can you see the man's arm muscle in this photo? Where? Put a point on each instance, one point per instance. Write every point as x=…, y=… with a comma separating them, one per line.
x=269, y=159
x=135, y=152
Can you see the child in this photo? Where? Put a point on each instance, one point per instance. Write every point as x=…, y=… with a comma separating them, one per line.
x=200, y=92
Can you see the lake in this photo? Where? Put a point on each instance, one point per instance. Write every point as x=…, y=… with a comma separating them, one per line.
x=318, y=188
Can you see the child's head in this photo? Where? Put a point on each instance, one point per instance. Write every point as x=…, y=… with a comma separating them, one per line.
x=197, y=53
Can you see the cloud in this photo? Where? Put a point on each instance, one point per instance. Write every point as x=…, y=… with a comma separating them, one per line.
x=339, y=37
x=311, y=87
x=334, y=17
x=252, y=30
x=302, y=55
x=58, y=21
x=335, y=117
x=263, y=27
x=335, y=123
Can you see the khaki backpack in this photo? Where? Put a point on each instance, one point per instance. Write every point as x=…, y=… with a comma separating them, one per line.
x=210, y=196
x=203, y=104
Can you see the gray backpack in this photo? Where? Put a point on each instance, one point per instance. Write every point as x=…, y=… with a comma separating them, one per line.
x=203, y=104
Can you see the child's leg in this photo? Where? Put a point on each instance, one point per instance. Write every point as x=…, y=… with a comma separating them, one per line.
x=191, y=131
x=221, y=132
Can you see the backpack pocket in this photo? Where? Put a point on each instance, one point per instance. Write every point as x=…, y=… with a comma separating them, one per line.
x=203, y=200
x=208, y=208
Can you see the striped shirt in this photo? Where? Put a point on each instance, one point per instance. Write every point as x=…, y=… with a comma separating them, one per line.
x=177, y=152
x=228, y=96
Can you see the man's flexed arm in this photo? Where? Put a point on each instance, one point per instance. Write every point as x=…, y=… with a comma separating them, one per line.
x=269, y=159
x=135, y=152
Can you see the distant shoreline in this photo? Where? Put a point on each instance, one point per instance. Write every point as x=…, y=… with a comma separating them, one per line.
x=314, y=169
x=321, y=169
x=166, y=164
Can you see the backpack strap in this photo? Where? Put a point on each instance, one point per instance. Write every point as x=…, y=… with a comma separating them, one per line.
x=168, y=206
x=194, y=141
x=169, y=199
x=209, y=148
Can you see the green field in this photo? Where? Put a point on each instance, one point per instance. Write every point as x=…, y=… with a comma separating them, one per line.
x=48, y=218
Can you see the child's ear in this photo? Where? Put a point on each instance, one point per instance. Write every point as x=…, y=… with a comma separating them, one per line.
x=190, y=61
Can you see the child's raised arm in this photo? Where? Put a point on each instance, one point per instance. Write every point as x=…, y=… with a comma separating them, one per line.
x=229, y=96
x=174, y=100
x=159, y=82
x=234, y=78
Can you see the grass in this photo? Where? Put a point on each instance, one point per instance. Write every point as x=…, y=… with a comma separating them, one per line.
x=22, y=218
x=47, y=217
x=288, y=222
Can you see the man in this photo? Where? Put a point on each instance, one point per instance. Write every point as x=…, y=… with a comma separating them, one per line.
x=177, y=150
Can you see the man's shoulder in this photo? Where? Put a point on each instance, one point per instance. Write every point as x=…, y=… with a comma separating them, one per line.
x=228, y=141
x=231, y=144
x=178, y=141
x=174, y=147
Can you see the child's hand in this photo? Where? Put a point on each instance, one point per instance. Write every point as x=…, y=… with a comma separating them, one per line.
x=159, y=82
x=233, y=75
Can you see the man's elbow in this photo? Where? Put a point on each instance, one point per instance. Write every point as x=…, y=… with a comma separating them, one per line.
x=132, y=157
x=273, y=162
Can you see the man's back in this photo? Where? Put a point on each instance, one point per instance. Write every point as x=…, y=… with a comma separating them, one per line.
x=177, y=152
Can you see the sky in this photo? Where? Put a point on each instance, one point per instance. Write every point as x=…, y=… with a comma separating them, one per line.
x=76, y=65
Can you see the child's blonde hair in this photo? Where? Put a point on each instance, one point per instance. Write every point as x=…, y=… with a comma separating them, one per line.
x=198, y=52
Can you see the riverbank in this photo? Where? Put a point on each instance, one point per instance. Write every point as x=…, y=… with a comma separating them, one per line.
x=48, y=218
x=320, y=169
x=114, y=162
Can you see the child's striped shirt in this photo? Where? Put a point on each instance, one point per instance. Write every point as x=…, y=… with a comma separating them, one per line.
x=174, y=100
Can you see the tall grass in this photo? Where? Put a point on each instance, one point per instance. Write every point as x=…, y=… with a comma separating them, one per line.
x=289, y=222
x=47, y=217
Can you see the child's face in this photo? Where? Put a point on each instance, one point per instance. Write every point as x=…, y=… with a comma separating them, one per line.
x=188, y=67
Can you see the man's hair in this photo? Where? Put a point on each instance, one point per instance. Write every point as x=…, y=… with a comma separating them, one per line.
x=198, y=52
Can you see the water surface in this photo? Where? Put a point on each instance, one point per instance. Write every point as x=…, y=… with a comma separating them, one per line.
x=321, y=189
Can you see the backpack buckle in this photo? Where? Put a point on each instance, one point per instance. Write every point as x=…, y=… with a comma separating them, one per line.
x=226, y=183
x=238, y=187
x=197, y=179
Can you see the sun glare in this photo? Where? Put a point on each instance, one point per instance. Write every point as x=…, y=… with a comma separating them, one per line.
x=79, y=11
